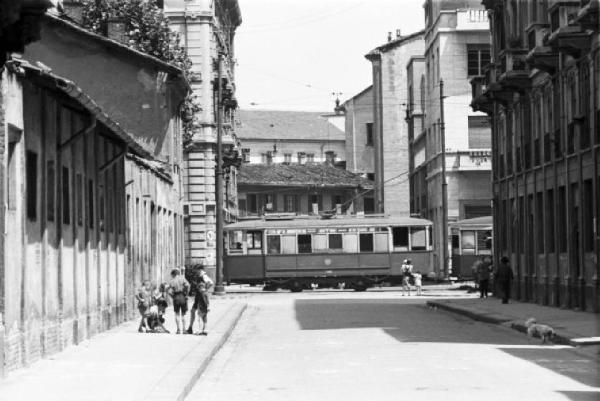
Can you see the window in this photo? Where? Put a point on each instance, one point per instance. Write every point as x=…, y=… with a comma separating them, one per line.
x=550, y=221
x=235, y=241
x=301, y=156
x=310, y=157
x=540, y=221
x=246, y=155
x=588, y=216
x=472, y=211
x=50, y=190
x=287, y=158
x=335, y=200
x=562, y=219
x=289, y=203
x=371, y=176
x=484, y=242
x=251, y=203
x=335, y=242
x=478, y=56
x=254, y=239
x=304, y=243
x=269, y=157
x=31, y=172
x=330, y=157
x=480, y=135
x=467, y=242
x=274, y=244
x=369, y=134
x=269, y=202
x=79, y=195
x=66, y=204
x=366, y=242
x=418, y=238
x=314, y=203
x=400, y=237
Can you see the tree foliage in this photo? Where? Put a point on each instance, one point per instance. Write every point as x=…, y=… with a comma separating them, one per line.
x=147, y=30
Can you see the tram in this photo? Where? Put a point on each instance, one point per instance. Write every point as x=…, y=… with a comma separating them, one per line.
x=354, y=252
x=471, y=240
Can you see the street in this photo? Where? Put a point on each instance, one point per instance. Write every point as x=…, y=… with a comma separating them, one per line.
x=378, y=345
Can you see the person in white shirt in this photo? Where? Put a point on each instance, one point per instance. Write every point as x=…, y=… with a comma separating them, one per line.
x=208, y=284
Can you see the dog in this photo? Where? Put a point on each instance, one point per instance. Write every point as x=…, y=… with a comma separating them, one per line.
x=543, y=331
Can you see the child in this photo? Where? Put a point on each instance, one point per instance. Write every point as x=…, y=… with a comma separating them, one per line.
x=201, y=304
x=417, y=277
x=406, y=275
x=143, y=297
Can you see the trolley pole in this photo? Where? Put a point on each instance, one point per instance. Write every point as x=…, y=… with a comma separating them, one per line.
x=219, y=287
x=444, y=183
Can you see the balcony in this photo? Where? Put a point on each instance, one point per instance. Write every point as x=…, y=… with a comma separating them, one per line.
x=565, y=34
x=513, y=70
x=542, y=57
x=480, y=98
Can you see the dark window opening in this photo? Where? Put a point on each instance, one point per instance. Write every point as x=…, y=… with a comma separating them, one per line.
x=90, y=202
x=304, y=243
x=66, y=200
x=400, y=236
x=254, y=239
x=335, y=241
x=79, y=194
x=366, y=242
x=50, y=190
x=369, y=134
x=478, y=56
x=31, y=171
x=274, y=244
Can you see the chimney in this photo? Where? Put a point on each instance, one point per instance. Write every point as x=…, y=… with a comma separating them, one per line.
x=389, y=36
x=398, y=34
x=73, y=10
x=115, y=30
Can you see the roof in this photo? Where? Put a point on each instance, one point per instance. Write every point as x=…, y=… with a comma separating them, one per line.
x=69, y=88
x=277, y=124
x=300, y=175
x=170, y=68
x=344, y=221
x=484, y=222
x=393, y=43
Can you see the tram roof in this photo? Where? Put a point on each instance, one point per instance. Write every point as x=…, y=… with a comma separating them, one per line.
x=334, y=222
x=484, y=222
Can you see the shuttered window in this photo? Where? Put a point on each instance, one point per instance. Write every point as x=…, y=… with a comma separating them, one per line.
x=480, y=135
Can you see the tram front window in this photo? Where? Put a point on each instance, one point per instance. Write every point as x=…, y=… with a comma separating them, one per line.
x=418, y=238
x=366, y=242
x=304, y=243
x=400, y=238
x=274, y=244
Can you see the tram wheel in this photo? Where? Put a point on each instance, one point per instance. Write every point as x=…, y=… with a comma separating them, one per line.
x=296, y=286
x=360, y=285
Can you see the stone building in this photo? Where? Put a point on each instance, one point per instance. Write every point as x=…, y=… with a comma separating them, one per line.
x=390, y=129
x=91, y=128
x=542, y=92
x=457, y=47
x=294, y=163
x=208, y=29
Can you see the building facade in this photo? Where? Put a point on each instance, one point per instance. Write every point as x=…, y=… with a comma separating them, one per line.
x=453, y=148
x=208, y=30
x=390, y=129
x=76, y=162
x=542, y=91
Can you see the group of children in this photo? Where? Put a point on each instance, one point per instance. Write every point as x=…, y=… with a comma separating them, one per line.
x=152, y=303
x=408, y=275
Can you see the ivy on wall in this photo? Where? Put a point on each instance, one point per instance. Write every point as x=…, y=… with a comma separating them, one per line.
x=147, y=30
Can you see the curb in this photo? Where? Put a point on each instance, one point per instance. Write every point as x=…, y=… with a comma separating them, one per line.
x=486, y=318
x=191, y=368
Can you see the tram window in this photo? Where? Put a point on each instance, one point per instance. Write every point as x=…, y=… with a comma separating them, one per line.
x=335, y=242
x=484, y=243
x=418, y=238
x=304, y=243
x=366, y=242
x=400, y=237
x=468, y=242
x=274, y=244
x=235, y=241
x=381, y=242
x=288, y=244
x=254, y=239
x=350, y=243
x=320, y=242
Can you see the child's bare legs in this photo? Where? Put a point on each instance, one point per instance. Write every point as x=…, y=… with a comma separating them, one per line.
x=204, y=319
x=190, y=329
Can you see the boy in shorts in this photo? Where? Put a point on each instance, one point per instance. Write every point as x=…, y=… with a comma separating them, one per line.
x=201, y=305
x=144, y=299
x=179, y=288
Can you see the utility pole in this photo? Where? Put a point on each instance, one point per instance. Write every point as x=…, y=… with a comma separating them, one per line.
x=219, y=288
x=444, y=183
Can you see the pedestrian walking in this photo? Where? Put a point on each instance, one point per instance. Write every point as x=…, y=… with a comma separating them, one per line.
x=406, y=275
x=144, y=299
x=208, y=284
x=504, y=277
x=483, y=274
x=417, y=276
x=179, y=288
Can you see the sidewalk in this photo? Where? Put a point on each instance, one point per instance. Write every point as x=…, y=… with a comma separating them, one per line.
x=124, y=365
x=572, y=327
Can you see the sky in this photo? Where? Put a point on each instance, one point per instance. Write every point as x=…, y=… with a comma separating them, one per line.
x=294, y=54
